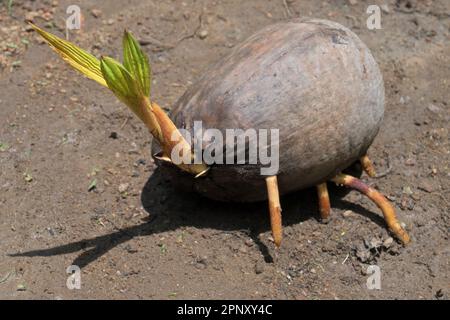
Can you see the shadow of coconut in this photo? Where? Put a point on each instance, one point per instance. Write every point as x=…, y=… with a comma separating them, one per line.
x=170, y=209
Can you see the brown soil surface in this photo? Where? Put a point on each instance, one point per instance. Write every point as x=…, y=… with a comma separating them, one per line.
x=151, y=241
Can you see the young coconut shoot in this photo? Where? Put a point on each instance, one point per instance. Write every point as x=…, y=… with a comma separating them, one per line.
x=130, y=82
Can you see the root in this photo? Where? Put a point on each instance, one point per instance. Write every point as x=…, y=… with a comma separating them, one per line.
x=368, y=166
x=379, y=200
x=324, y=202
x=274, y=209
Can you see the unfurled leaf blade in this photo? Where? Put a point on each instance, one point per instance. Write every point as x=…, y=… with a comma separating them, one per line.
x=136, y=62
x=79, y=59
x=122, y=83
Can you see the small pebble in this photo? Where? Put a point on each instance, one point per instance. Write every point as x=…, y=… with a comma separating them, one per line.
x=201, y=263
x=407, y=190
x=388, y=242
x=426, y=186
x=385, y=8
x=96, y=13
x=433, y=108
x=259, y=267
x=410, y=162
x=203, y=34
x=135, y=174
x=141, y=162
x=113, y=135
x=123, y=187
x=347, y=213
x=21, y=287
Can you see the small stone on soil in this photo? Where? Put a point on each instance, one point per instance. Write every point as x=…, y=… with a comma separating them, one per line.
x=123, y=187
x=259, y=267
x=407, y=190
x=96, y=13
x=201, y=263
x=249, y=243
x=433, y=108
x=21, y=287
x=135, y=174
x=141, y=162
x=203, y=34
x=388, y=242
x=347, y=213
x=385, y=8
x=426, y=186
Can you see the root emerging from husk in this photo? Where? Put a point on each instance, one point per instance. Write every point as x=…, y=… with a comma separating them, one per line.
x=385, y=206
x=274, y=209
x=368, y=166
x=324, y=202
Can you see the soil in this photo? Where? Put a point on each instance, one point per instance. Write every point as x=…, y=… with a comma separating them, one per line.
x=78, y=186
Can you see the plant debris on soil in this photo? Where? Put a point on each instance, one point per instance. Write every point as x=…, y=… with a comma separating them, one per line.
x=134, y=236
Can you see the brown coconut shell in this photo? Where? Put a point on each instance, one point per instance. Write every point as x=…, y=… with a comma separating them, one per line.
x=314, y=80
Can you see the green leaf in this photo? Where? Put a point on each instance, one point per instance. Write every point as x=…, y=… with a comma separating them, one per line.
x=79, y=59
x=92, y=185
x=162, y=248
x=122, y=84
x=136, y=62
x=3, y=147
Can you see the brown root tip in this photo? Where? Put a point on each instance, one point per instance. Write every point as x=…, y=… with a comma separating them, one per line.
x=324, y=202
x=379, y=200
x=275, y=210
x=368, y=166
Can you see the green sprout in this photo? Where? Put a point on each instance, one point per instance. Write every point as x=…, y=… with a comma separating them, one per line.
x=130, y=82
